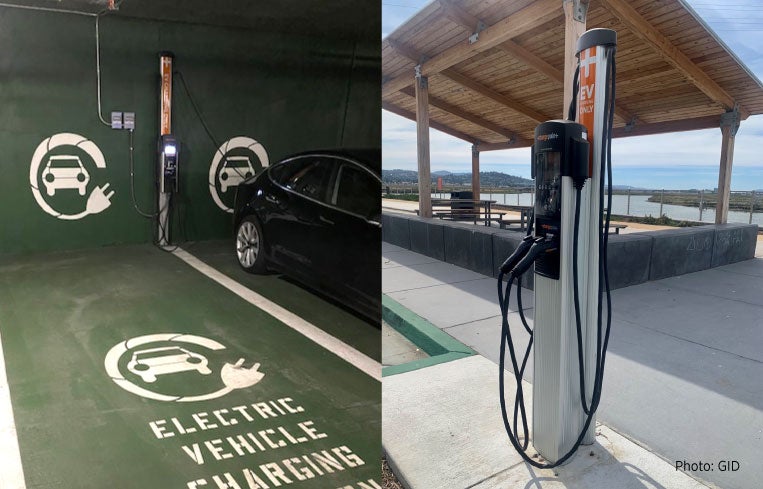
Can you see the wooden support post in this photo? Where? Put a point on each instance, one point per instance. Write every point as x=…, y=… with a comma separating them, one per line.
x=475, y=172
x=422, y=143
x=729, y=127
x=574, y=27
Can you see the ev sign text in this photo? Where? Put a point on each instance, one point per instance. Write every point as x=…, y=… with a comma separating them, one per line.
x=254, y=445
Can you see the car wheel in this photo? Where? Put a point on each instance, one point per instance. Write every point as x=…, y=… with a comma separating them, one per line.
x=249, y=246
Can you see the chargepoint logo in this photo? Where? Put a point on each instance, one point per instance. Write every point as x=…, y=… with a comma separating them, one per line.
x=235, y=160
x=166, y=361
x=65, y=178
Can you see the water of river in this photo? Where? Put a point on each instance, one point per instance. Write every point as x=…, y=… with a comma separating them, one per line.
x=639, y=206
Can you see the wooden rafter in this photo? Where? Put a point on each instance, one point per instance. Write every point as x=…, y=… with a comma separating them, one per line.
x=465, y=115
x=468, y=21
x=528, y=58
x=459, y=15
x=514, y=25
x=473, y=85
x=706, y=122
x=435, y=125
x=406, y=50
x=515, y=143
x=488, y=92
x=641, y=28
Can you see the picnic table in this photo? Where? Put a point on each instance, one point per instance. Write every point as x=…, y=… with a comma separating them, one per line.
x=525, y=213
x=456, y=209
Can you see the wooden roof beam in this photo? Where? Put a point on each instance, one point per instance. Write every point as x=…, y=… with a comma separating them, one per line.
x=460, y=16
x=488, y=92
x=406, y=50
x=528, y=58
x=435, y=125
x=517, y=143
x=467, y=116
x=642, y=29
x=525, y=56
x=516, y=24
x=680, y=125
x=473, y=85
x=704, y=122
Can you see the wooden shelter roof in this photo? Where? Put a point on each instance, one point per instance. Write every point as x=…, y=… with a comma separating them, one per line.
x=673, y=73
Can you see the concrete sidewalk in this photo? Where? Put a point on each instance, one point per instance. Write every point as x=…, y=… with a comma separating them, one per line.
x=681, y=374
x=442, y=428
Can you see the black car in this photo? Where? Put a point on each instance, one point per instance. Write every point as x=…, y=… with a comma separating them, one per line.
x=316, y=217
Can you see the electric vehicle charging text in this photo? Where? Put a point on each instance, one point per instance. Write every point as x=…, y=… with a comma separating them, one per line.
x=570, y=161
x=168, y=164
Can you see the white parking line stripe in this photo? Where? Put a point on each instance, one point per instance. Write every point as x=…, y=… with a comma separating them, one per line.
x=336, y=346
x=11, y=472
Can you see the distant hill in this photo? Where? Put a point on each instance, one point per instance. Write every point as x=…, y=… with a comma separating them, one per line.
x=625, y=187
x=487, y=179
x=400, y=176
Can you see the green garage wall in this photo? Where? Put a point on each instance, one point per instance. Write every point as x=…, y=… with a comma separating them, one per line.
x=289, y=93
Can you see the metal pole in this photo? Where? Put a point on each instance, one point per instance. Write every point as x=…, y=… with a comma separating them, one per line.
x=701, y=203
x=662, y=195
x=628, y=210
x=752, y=204
x=165, y=127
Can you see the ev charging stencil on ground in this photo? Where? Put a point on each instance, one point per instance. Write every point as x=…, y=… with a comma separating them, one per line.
x=129, y=369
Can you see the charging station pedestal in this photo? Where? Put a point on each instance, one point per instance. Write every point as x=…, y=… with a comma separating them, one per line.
x=165, y=189
x=558, y=417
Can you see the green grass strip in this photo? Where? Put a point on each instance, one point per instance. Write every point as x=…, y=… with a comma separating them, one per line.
x=440, y=346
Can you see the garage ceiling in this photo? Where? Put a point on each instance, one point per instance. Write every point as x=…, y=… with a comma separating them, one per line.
x=353, y=19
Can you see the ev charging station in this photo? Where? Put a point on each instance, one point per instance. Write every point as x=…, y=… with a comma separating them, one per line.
x=167, y=167
x=570, y=161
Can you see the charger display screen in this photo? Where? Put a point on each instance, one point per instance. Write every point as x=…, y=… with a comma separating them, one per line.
x=549, y=179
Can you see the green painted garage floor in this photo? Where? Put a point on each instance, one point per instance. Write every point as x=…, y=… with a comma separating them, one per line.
x=332, y=318
x=128, y=368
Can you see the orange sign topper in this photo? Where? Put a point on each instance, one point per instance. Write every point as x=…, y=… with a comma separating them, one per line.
x=165, y=100
x=587, y=96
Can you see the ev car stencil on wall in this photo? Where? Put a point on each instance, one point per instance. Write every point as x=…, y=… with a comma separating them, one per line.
x=234, y=161
x=155, y=357
x=65, y=178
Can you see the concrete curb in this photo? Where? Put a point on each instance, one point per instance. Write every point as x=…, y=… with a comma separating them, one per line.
x=440, y=346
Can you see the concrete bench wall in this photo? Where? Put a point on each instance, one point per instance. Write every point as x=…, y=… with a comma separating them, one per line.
x=633, y=258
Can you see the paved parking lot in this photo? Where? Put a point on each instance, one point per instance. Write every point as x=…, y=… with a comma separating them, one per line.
x=128, y=368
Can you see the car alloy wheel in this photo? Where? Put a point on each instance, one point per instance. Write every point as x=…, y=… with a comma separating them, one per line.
x=247, y=244
x=251, y=246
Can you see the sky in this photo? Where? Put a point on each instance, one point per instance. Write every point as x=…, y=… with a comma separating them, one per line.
x=675, y=161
